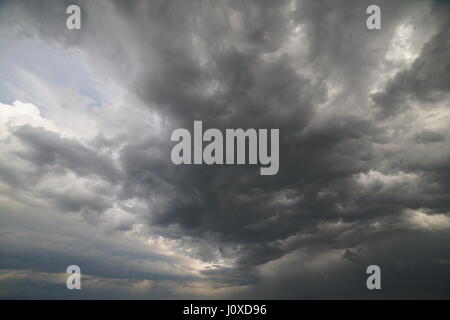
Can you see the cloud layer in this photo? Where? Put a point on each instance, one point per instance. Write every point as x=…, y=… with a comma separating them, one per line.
x=86, y=176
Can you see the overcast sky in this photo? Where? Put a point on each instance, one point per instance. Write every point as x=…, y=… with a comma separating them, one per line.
x=86, y=176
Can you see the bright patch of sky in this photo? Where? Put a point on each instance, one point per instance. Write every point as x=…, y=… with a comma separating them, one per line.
x=58, y=67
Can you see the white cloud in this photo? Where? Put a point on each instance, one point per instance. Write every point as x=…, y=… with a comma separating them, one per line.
x=21, y=113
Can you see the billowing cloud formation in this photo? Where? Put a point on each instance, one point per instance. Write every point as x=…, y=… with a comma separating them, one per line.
x=86, y=176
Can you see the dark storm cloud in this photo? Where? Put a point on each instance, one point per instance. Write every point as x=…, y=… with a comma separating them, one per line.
x=318, y=162
x=337, y=188
x=209, y=66
x=408, y=265
x=197, y=47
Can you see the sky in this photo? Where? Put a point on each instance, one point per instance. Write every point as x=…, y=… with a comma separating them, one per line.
x=86, y=176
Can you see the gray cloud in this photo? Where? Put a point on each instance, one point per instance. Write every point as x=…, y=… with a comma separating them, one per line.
x=361, y=166
x=48, y=150
x=427, y=80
